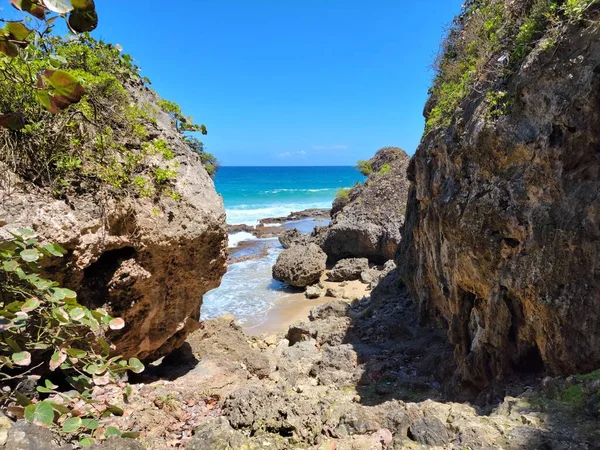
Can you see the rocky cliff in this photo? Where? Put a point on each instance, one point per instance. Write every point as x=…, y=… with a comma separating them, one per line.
x=146, y=259
x=502, y=232
x=368, y=224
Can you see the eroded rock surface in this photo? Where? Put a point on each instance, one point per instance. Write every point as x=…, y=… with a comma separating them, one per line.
x=300, y=265
x=369, y=225
x=502, y=233
x=145, y=261
x=348, y=269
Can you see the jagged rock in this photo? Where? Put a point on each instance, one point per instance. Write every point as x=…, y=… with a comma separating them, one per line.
x=27, y=436
x=293, y=237
x=348, y=269
x=300, y=266
x=138, y=258
x=216, y=434
x=223, y=341
x=374, y=275
x=369, y=225
x=501, y=240
x=428, y=431
x=313, y=292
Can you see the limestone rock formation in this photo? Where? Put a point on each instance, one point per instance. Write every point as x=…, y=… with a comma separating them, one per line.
x=348, y=269
x=368, y=226
x=300, y=266
x=502, y=234
x=146, y=261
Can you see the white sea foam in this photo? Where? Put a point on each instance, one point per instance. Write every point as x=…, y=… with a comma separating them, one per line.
x=241, y=236
x=251, y=214
x=247, y=291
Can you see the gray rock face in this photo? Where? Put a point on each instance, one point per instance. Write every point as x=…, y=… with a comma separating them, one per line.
x=300, y=266
x=147, y=262
x=313, y=292
x=368, y=226
x=293, y=237
x=348, y=269
x=502, y=233
x=26, y=436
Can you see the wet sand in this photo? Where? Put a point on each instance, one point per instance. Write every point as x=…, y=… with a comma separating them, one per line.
x=289, y=309
x=294, y=307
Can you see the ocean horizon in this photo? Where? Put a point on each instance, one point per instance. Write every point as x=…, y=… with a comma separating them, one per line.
x=251, y=193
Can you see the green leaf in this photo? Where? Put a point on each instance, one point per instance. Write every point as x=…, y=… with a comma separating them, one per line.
x=17, y=31
x=58, y=6
x=49, y=384
x=76, y=353
x=30, y=255
x=10, y=266
x=136, y=365
x=44, y=390
x=28, y=6
x=72, y=425
x=130, y=435
x=40, y=413
x=86, y=441
x=63, y=90
x=77, y=313
x=30, y=305
x=83, y=19
x=55, y=249
x=90, y=424
x=112, y=431
x=22, y=358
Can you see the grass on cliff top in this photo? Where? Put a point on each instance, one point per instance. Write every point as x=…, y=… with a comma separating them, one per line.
x=106, y=141
x=486, y=45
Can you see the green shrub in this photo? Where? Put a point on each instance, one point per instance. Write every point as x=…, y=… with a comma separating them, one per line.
x=386, y=168
x=343, y=195
x=45, y=329
x=365, y=167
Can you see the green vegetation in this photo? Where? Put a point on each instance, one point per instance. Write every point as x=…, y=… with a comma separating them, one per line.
x=365, y=167
x=343, y=195
x=484, y=48
x=45, y=330
x=386, y=168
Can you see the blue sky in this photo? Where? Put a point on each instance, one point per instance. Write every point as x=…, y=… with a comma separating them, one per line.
x=288, y=82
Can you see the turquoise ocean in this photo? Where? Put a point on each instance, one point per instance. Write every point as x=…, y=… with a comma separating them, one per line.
x=252, y=193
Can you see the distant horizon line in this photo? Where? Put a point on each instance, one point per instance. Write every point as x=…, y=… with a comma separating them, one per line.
x=350, y=165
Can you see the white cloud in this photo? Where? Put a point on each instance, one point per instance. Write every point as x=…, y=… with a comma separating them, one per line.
x=290, y=154
x=330, y=147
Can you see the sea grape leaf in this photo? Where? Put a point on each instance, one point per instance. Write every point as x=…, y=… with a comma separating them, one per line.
x=17, y=31
x=30, y=7
x=30, y=255
x=40, y=413
x=8, y=48
x=84, y=17
x=116, y=323
x=72, y=424
x=58, y=89
x=30, y=305
x=22, y=358
x=136, y=365
x=58, y=6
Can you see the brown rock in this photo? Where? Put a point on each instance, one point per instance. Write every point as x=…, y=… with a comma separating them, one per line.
x=147, y=262
x=501, y=240
x=300, y=265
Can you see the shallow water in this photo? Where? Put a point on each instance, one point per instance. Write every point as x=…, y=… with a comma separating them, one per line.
x=248, y=290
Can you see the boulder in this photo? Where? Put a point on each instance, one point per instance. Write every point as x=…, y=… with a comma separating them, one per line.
x=300, y=266
x=368, y=226
x=146, y=260
x=348, y=269
x=313, y=292
x=292, y=237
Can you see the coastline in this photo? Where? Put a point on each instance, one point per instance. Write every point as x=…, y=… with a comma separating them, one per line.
x=256, y=246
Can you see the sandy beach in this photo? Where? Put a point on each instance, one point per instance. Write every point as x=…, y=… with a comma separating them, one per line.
x=294, y=307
